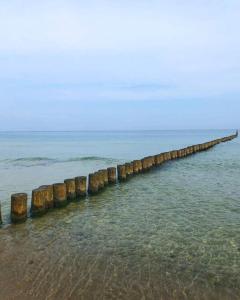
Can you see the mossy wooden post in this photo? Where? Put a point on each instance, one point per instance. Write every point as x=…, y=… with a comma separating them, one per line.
x=81, y=186
x=121, y=170
x=70, y=189
x=47, y=191
x=112, y=178
x=59, y=195
x=93, y=183
x=38, y=205
x=19, y=208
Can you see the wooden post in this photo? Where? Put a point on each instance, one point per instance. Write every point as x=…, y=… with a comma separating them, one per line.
x=59, y=195
x=70, y=189
x=93, y=183
x=81, y=186
x=128, y=170
x=135, y=167
x=121, y=170
x=112, y=175
x=38, y=207
x=100, y=178
x=104, y=174
x=48, y=194
x=152, y=161
x=144, y=164
x=19, y=207
x=131, y=168
x=139, y=166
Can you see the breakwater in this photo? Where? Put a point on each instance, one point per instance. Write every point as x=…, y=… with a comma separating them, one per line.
x=60, y=194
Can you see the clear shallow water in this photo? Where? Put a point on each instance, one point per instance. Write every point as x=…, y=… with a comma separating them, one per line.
x=170, y=234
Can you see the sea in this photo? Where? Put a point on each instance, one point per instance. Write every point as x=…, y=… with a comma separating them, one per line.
x=171, y=233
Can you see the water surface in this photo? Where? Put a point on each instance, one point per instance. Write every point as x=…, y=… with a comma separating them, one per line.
x=170, y=234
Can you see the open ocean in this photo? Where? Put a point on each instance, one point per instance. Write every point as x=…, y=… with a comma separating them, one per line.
x=173, y=233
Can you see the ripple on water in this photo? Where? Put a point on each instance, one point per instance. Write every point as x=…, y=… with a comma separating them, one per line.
x=170, y=234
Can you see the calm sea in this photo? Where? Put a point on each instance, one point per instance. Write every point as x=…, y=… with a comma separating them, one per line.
x=173, y=233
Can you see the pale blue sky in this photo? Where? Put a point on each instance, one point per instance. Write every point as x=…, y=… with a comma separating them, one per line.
x=76, y=65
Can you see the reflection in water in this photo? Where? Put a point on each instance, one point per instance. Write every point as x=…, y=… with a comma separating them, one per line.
x=170, y=234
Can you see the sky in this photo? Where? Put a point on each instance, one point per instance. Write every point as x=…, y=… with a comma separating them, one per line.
x=119, y=65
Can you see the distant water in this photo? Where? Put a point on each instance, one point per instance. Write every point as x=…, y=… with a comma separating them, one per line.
x=170, y=234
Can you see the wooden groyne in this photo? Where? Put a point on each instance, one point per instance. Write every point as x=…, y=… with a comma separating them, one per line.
x=58, y=195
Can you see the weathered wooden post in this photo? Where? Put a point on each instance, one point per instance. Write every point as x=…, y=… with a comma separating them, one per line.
x=128, y=170
x=179, y=153
x=135, y=167
x=139, y=166
x=100, y=179
x=19, y=207
x=185, y=152
x=93, y=183
x=70, y=189
x=165, y=156
x=47, y=191
x=105, y=176
x=173, y=154
x=152, y=159
x=59, y=195
x=144, y=164
x=121, y=170
x=81, y=186
x=156, y=160
x=38, y=207
x=190, y=150
x=112, y=175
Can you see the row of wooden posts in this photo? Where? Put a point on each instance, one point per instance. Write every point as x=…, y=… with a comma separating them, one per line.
x=58, y=195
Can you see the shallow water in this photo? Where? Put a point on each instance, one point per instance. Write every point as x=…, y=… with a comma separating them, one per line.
x=172, y=233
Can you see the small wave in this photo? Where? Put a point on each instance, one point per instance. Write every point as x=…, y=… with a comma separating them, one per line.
x=29, y=161
x=45, y=161
x=32, y=159
x=91, y=158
